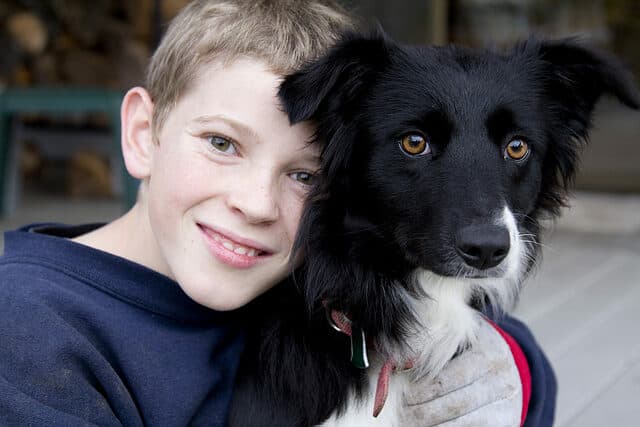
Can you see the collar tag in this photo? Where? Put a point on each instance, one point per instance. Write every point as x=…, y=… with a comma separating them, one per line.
x=359, y=356
x=341, y=323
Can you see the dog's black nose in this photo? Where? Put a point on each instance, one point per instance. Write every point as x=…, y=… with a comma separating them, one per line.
x=483, y=246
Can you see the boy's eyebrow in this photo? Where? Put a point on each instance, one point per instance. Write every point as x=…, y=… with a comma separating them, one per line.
x=310, y=157
x=238, y=126
x=241, y=127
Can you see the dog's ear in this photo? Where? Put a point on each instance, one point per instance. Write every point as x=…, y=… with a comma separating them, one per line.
x=575, y=78
x=328, y=91
x=579, y=77
x=332, y=83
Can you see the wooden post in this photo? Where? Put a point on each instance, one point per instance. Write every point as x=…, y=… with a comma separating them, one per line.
x=438, y=22
x=5, y=134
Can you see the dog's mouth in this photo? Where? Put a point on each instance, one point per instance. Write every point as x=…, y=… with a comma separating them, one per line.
x=483, y=275
x=463, y=271
x=477, y=276
x=457, y=268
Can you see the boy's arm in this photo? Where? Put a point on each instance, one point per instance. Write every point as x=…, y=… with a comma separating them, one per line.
x=544, y=386
x=50, y=374
x=503, y=380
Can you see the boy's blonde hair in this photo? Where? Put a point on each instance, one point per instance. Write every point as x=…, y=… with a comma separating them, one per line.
x=282, y=33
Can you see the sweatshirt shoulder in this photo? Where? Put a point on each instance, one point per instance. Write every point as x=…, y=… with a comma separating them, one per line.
x=49, y=369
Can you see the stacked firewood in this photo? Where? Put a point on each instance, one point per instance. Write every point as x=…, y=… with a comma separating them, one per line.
x=103, y=43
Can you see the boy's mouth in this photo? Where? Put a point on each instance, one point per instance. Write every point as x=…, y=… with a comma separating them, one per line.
x=238, y=249
x=233, y=246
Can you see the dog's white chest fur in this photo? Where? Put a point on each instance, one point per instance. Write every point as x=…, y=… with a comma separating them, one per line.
x=436, y=340
x=446, y=324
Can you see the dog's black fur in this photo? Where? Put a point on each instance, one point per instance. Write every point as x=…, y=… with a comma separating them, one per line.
x=377, y=214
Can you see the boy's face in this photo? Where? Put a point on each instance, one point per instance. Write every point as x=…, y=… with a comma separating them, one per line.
x=227, y=184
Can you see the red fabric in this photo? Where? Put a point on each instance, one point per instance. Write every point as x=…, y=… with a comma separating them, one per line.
x=523, y=369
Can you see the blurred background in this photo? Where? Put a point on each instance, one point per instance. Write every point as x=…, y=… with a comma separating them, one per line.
x=64, y=65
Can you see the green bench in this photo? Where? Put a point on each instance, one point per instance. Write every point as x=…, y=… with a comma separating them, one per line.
x=58, y=101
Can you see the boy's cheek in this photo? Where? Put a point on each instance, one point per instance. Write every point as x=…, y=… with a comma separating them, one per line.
x=293, y=213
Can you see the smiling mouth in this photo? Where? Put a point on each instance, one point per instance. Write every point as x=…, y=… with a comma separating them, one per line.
x=232, y=246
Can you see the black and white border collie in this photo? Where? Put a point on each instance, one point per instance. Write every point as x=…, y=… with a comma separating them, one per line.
x=438, y=164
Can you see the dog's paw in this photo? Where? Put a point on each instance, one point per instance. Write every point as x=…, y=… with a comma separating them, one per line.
x=479, y=387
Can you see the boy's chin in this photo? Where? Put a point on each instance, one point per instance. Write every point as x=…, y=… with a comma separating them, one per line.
x=223, y=300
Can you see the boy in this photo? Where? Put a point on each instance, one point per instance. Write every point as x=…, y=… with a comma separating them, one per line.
x=133, y=322
x=124, y=323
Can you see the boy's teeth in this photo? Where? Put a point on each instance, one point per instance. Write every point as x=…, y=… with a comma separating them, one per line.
x=240, y=250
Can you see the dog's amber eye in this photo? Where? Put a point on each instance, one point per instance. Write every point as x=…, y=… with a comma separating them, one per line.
x=517, y=149
x=414, y=144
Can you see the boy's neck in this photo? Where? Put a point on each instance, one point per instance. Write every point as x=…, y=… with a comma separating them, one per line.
x=129, y=237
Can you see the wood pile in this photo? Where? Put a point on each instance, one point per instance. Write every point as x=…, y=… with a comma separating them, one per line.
x=103, y=43
x=88, y=175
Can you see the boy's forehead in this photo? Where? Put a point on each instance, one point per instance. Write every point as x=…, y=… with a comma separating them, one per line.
x=234, y=89
x=238, y=66
x=241, y=96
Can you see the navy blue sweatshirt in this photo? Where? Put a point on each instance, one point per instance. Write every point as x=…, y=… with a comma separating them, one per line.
x=90, y=338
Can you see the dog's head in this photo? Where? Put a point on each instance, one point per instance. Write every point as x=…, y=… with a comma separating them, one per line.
x=439, y=159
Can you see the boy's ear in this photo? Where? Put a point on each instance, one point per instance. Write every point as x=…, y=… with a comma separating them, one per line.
x=330, y=85
x=136, y=116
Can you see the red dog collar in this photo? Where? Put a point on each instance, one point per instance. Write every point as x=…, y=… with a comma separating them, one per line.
x=341, y=323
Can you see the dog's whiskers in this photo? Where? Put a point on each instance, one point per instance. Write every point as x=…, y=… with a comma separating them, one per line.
x=534, y=242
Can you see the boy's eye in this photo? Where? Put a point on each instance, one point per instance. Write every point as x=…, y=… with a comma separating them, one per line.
x=222, y=144
x=305, y=178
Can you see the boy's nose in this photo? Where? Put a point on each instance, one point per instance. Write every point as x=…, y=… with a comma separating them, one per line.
x=257, y=203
